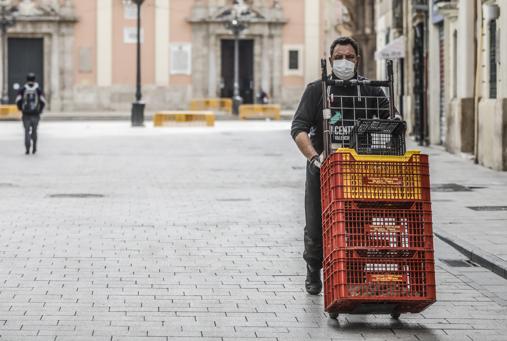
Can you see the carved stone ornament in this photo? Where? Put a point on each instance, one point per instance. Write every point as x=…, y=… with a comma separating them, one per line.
x=49, y=6
x=238, y=9
x=28, y=8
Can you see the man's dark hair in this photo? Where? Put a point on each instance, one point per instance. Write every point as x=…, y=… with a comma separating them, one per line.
x=345, y=41
x=30, y=77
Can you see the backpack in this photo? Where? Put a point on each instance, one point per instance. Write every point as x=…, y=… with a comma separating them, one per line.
x=30, y=104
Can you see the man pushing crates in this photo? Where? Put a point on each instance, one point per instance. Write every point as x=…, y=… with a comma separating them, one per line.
x=347, y=110
x=307, y=131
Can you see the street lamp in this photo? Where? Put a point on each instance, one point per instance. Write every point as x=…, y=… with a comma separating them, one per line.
x=236, y=26
x=137, y=114
x=6, y=20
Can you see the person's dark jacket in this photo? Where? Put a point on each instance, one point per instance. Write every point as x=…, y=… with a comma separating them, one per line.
x=21, y=94
x=308, y=117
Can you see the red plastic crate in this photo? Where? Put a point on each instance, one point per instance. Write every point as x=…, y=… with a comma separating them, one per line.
x=357, y=284
x=377, y=233
x=348, y=176
x=392, y=226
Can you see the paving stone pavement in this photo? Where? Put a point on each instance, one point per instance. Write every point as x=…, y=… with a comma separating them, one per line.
x=481, y=233
x=198, y=236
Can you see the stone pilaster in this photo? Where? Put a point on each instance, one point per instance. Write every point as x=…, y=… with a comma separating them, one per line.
x=104, y=42
x=162, y=33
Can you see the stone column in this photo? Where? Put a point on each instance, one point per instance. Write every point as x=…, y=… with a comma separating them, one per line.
x=433, y=84
x=104, y=42
x=55, y=70
x=6, y=61
x=266, y=57
x=162, y=34
x=466, y=49
x=312, y=40
x=502, y=69
x=199, y=61
x=277, y=65
x=212, y=70
x=66, y=65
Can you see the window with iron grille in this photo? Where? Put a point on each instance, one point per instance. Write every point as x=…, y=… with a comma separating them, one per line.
x=293, y=60
x=492, y=59
x=455, y=64
x=441, y=69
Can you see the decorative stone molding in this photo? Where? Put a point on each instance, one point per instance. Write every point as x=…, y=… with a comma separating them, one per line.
x=53, y=22
x=28, y=8
x=448, y=9
x=202, y=13
x=45, y=10
x=264, y=27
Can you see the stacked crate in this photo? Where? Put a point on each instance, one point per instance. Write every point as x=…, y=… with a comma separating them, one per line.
x=377, y=233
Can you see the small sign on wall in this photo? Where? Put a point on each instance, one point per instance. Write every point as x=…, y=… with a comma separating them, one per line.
x=85, y=60
x=181, y=59
x=130, y=35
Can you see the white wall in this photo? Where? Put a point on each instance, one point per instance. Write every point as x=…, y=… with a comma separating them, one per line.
x=502, y=67
x=381, y=33
x=104, y=42
x=162, y=24
x=466, y=49
x=434, y=84
x=312, y=41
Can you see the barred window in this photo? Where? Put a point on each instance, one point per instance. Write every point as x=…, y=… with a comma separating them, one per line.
x=492, y=59
x=293, y=60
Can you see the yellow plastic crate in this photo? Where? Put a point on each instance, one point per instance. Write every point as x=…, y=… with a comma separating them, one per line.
x=349, y=176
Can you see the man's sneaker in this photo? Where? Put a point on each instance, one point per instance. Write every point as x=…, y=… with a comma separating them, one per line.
x=313, y=283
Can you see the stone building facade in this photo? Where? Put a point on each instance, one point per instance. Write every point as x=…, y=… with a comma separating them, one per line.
x=43, y=35
x=454, y=76
x=85, y=50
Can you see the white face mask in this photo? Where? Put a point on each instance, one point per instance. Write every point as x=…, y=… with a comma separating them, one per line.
x=344, y=69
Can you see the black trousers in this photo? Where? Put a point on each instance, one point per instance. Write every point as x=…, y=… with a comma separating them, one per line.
x=313, y=253
x=30, y=122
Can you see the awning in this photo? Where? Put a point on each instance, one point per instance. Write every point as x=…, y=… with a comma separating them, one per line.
x=393, y=50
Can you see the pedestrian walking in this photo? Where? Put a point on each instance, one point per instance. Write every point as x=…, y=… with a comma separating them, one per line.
x=31, y=102
x=307, y=131
x=263, y=97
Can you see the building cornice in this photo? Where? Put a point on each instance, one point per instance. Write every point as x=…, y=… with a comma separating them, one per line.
x=202, y=14
x=46, y=18
x=448, y=9
x=250, y=22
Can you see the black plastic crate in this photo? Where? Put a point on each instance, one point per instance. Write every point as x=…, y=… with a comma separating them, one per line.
x=379, y=137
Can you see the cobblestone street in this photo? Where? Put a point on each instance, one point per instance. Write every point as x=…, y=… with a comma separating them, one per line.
x=111, y=233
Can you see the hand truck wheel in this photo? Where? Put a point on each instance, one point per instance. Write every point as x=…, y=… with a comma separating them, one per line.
x=395, y=316
x=334, y=316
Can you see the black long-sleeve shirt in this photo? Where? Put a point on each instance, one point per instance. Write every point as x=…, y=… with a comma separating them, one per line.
x=349, y=104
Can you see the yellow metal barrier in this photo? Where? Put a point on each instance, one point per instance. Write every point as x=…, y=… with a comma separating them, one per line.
x=183, y=118
x=247, y=111
x=218, y=104
x=9, y=112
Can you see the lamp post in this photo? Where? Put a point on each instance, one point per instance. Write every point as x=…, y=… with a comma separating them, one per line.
x=6, y=20
x=236, y=26
x=137, y=113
